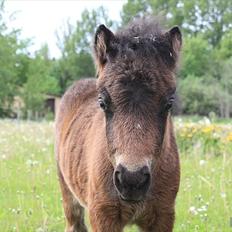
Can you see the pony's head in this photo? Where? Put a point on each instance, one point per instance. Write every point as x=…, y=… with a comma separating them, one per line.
x=136, y=86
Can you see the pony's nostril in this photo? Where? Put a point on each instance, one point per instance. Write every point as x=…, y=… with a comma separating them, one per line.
x=144, y=180
x=118, y=177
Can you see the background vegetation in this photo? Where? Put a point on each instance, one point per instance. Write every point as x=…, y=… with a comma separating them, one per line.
x=204, y=80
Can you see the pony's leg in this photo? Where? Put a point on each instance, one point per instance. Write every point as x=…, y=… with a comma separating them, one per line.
x=102, y=219
x=74, y=212
x=162, y=223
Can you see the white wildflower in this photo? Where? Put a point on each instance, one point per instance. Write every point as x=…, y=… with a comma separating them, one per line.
x=202, y=162
x=193, y=210
x=223, y=195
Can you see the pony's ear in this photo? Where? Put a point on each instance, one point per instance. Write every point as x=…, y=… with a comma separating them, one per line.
x=175, y=38
x=102, y=42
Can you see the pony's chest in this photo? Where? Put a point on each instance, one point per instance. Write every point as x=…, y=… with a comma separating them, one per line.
x=134, y=212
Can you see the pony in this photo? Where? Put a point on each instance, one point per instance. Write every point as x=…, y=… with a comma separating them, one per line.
x=116, y=153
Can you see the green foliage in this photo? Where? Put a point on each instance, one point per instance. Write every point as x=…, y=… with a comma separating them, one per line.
x=212, y=18
x=165, y=8
x=9, y=57
x=224, y=50
x=205, y=94
x=195, y=97
x=172, y=10
x=75, y=43
x=132, y=9
x=39, y=81
x=8, y=76
x=223, y=89
x=196, y=56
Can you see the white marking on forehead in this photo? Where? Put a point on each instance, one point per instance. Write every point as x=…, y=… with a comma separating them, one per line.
x=138, y=126
x=137, y=39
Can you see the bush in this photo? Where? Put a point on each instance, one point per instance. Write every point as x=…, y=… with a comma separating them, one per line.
x=203, y=137
x=196, y=96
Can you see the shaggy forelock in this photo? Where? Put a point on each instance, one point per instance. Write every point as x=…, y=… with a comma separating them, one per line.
x=143, y=38
x=144, y=28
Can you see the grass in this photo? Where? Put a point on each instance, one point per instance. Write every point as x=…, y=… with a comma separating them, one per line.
x=29, y=193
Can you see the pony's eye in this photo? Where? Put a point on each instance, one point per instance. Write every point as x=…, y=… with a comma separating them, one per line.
x=102, y=103
x=170, y=103
x=104, y=100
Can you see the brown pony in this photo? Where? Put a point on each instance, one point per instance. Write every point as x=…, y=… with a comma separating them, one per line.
x=115, y=147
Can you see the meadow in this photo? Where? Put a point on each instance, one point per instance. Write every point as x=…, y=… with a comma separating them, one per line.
x=30, y=199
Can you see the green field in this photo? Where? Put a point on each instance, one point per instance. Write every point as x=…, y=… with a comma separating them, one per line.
x=30, y=198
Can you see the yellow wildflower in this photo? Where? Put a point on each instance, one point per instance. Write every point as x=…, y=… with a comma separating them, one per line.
x=229, y=137
x=208, y=129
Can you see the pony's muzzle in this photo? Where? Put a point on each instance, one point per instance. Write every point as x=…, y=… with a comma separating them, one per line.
x=132, y=185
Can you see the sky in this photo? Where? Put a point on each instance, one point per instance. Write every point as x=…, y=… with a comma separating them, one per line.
x=39, y=19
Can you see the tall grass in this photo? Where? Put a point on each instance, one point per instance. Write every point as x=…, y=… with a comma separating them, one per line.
x=30, y=197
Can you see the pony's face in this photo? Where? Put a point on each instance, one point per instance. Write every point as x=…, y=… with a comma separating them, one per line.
x=136, y=89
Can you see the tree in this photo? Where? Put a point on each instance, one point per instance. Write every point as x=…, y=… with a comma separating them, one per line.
x=211, y=17
x=170, y=10
x=224, y=50
x=9, y=56
x=39, y=81
x=132, y=9
x=223, y=89
x=196, y=58
x=75, y=43
x=197, y=97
